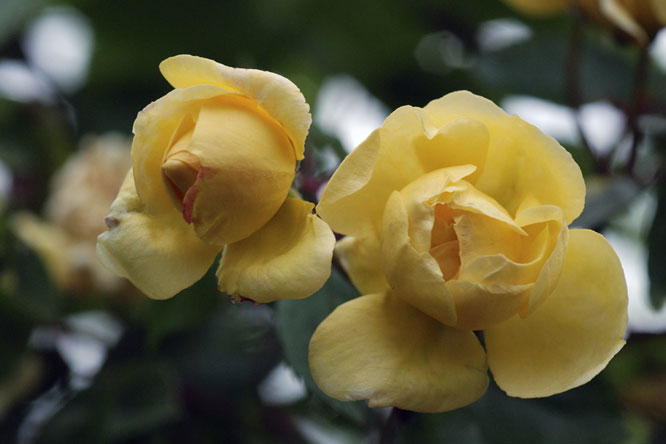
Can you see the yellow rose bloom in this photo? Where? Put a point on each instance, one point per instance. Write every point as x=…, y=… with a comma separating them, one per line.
x=638, y=19
x=457, y=220
x=212, y=166
x=80, y=194
x=543, y=7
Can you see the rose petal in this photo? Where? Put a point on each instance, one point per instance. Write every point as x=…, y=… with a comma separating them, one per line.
x=571, y=337
x=389, y=159
x=289, y=258
x=540, y=7
x=558, y=239
x=617, y=14
x=378, y=348
x=479, y=306
x=522, y=161
x=274, y=93
x=414, y=275
x=462, y=141
x=153, y=130
x=159, y=254
x=659, y=10
x=422, y=194
x=361, y=258
x=246, y=170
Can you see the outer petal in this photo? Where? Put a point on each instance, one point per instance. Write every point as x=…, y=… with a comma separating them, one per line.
x=274, y=93
x=659, y=9
x=362, y=260
x=389, y=159
x=547, y=7
x=573, y=334
x=289, y=258
x=525, y=162
x=160, y=255
x=414, y=275
x=378, y=348
x=617, y=14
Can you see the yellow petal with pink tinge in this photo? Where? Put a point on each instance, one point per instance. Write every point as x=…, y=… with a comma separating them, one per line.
x=160, y=255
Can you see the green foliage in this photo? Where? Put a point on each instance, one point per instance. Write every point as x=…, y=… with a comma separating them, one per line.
x=657, y=251
x=127, y=400
x=297, y=321
x=578, y=416
x=13, y=14
x=606, y=198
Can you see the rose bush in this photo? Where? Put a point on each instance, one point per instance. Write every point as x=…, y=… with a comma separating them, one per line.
x=456, y=218
x=212, y=166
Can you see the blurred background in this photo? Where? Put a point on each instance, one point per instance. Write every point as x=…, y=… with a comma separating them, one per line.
x=86, y=358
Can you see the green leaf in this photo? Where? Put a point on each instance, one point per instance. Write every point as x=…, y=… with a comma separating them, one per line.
x=34, y=297
x=227, y=355
x=657, y=251
x=606, y=198
x=581, y=416
x=189, y=308
x=124, y=401
x=537, y=67
x=297, y=321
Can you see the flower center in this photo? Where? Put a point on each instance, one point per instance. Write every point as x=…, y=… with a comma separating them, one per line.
x=444, y=246
x=180, y=169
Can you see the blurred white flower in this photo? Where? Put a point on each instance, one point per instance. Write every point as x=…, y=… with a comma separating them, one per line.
x=59, y=43
x=497, y=34
x=346, y=110
x=555, y=120
x=81, y=193
x=20, y=83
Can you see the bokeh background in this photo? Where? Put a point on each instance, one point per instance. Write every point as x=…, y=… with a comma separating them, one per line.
x=86, y=358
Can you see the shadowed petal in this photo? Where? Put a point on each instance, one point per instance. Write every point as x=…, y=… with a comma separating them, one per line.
x=414, y=275
x=378, y=348
x=362, y=260
x=289, y=258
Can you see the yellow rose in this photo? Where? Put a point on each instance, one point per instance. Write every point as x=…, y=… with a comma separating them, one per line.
x=212, y=166
x=81, y=192
x=638, y=19
x=456, y=216
x=543, y=7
